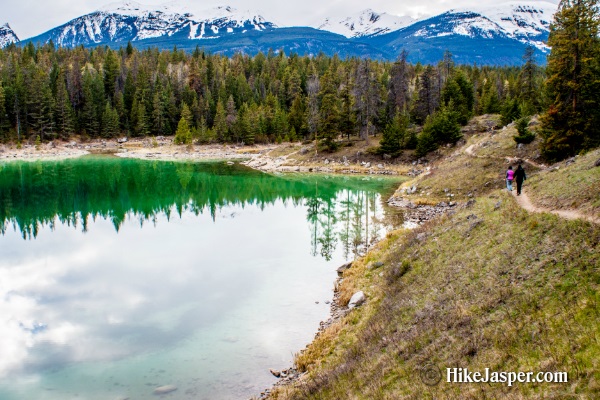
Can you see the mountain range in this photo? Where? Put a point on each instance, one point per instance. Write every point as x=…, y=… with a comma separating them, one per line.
x=486, y=35
x=7, y=36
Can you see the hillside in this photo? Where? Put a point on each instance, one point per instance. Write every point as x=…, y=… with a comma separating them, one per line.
x=490, y=285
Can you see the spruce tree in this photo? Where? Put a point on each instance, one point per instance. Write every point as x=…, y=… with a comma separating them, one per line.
x=4, y=122
x=329, y=113
x=527, y=83
x=394, y=134
x=183, y=135
x=110, y=122
x=428, y=98
x=347, y=115
x=63, y=111
x=111, y=71
x=572, y=122
x=142, y=127
x=220, y=125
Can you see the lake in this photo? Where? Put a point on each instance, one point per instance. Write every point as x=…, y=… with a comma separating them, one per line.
x=118, y=276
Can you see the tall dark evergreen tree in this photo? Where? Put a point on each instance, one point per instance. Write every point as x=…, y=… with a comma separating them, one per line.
x=394, y=136
x=398, y=90
x=428, y=98
x=329, y=113
x=63, y=110
x=528, y=87
x=572, y=122
x=367, y=97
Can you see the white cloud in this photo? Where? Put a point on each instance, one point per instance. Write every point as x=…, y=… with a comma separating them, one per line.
x=32, y=17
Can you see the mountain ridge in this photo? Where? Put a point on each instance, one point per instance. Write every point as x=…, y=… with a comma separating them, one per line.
x=7, y=35
x=493, y=35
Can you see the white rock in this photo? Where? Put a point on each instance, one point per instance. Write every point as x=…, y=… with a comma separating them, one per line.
x=165, y=389
x=357, y=299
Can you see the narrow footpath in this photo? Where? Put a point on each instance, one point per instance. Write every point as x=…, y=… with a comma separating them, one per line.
x=524, y=202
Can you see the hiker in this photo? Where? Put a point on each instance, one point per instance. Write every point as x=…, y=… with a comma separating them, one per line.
x=520, y=177
x=510, y=175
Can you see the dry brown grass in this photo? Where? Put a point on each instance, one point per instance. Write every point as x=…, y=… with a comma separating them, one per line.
x=471, y=296
x=489, y=287
x=574, y=186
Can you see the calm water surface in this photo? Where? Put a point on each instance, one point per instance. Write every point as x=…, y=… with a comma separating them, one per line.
x=119, y=276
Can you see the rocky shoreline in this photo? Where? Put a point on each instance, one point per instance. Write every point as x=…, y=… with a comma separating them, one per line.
x=420, y=213
x=162, y=149
x=336, y=312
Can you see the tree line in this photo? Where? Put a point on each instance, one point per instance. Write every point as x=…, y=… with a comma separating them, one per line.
x=104, y=93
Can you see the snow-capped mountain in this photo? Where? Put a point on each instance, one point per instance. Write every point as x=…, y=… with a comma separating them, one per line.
x=491, y=35
x=365, y=23
x=131, y=21
x=485, y=35
x=7, y=36
x=529, y=23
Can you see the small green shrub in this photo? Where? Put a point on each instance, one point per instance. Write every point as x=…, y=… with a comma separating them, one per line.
x=525, y=136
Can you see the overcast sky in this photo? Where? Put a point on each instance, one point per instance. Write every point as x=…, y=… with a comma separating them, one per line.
x=32, y=17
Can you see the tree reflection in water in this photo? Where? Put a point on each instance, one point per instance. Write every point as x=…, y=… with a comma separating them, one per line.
x=344, y=210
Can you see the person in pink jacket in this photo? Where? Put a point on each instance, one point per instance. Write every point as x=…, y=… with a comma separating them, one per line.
x=510, y=175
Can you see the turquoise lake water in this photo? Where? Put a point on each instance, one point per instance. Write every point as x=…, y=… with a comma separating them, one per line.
x=119, y=276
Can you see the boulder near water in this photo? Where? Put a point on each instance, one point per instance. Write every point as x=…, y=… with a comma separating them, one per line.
x=357, y=299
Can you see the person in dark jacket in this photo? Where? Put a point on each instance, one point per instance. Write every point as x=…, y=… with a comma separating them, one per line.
x=520, y=177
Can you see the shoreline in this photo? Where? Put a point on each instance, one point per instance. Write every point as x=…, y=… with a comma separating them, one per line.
x=257, y=157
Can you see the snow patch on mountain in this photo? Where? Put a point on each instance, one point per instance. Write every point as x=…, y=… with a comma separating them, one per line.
x=521, y=19
x=7, y=36
x=527, y=22
x=364, y=23
x=129, y=20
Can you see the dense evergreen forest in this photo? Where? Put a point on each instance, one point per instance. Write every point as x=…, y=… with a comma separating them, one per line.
x=51, y=93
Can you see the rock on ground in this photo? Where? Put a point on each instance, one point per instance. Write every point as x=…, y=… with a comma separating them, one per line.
x=357, y=299
x=165, y=389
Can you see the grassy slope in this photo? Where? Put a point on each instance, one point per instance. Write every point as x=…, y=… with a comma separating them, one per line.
x=576, y=186
x=491, y=286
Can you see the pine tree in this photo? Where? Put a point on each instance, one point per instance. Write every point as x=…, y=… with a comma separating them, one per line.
x=63, y=111
x=329, y=113
x=458, y=91
x=111, y=71
x=142, y=127
x=4, y=122
x=428, y=95
x=231, y=119
x=187, y=114
x=220, y=125
x=490, y=101
x=158, y=115
x=110, y=122
x=367, y=97
x=312, y=111
x=394, y=134
x=439, y=128
x=398, y=87
x=572, y=122
x=347, y=114
x=40, y=103
x=183, y=135
x=297, y=115
x=511, y=111
x=527, y=83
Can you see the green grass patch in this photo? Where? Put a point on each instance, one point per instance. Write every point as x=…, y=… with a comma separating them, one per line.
x=490, y=287
x=576, y=185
